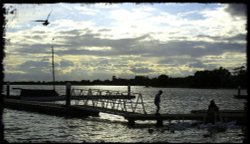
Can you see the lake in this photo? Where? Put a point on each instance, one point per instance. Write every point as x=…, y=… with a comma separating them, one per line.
x=21, y=126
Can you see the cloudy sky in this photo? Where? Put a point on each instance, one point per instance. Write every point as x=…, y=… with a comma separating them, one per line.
x=97, y=41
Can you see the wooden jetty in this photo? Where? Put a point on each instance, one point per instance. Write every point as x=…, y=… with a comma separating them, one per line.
x=221, y=111
x=112, y=103
x=62, y=98
x=191, y=116
x=49, y=108
x=131, y=117
x=241, y=96
x=36, y=92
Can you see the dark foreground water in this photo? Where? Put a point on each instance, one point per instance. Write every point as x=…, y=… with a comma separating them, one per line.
x=21, y=126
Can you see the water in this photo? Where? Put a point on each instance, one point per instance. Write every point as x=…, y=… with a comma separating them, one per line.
x=21, y=126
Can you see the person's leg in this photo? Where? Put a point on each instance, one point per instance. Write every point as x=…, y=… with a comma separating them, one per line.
x=158, y=108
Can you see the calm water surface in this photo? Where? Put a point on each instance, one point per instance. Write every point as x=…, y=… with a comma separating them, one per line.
x=21, y=126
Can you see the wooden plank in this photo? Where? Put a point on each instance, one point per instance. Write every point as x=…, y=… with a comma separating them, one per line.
x=103, y=97
x=221, y=111
x=241, y=96
x=62, y=98
x=34, y=104
x=200, y=116
x=107, y=110
x=49, y=108
x=44, y=98
x=37, y=93
x=166, y=117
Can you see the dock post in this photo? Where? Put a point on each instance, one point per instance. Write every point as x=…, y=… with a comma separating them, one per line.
x=131, y=122
x=68, y=93
x=129, y=90
x=159, y=122
x=8, y=89
x=238, y=90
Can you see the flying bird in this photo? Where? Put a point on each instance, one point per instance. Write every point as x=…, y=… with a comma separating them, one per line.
x=45, y=22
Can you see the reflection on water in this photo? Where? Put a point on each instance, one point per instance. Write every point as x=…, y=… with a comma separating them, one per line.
x=21, y=126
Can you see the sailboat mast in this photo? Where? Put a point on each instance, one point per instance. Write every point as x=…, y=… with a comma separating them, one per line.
x=53, y=67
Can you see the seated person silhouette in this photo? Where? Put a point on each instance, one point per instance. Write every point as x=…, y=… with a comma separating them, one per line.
x=212, y=113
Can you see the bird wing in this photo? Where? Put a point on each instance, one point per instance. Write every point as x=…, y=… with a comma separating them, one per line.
x=40, y=21
x=49, y=14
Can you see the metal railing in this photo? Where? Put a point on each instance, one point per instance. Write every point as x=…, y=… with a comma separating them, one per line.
x=109, y=99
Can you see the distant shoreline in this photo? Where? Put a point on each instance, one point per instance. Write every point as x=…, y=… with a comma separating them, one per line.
x=215, y=79
x=28, y=84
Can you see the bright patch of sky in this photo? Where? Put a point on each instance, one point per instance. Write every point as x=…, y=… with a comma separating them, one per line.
x=97, y=41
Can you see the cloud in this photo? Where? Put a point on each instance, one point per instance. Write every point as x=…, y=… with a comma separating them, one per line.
x=30, y=71
x=141, y=70
x=180, y=48
x=66, y=63
x=237, y=9
x=235, y=38
x=197, y=64
x=88, y=43
x=30, y=64
x=87, y=11
x=95, y=41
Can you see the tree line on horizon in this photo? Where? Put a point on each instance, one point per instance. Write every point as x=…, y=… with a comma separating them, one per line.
x=217, y=78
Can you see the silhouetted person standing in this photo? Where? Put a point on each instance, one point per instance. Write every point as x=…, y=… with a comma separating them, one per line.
x=157, y=101
x=212, y=112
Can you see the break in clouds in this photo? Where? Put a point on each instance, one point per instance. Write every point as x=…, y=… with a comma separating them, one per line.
x=128, y=40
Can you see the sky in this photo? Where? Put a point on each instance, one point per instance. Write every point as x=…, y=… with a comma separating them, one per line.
x=101, y=40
